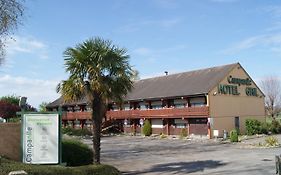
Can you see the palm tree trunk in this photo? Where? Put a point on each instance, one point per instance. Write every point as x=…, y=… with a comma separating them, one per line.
x=96, y=121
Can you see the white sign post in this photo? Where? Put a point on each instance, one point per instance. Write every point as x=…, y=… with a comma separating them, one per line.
x=41, y=138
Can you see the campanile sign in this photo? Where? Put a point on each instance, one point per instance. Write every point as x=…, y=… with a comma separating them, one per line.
x=40, y=138
x=232, y=86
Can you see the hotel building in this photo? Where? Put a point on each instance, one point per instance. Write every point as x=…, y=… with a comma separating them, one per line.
x=205, y=102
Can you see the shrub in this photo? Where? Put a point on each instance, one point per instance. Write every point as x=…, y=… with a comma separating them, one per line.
x=67, y=130
x=76, y=153
x=163, y=136
x=183, y=133
x=271, y=141
x=76, y=132
x=253, y=126
x=234, y=136
x=147, y=128
x=275, y=127
x=264, y=128
x=7, y=166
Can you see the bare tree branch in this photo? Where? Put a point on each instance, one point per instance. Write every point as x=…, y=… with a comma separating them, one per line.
x=271, y=86
x=11, y=14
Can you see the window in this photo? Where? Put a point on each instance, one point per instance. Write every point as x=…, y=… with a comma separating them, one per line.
x=115, y=107
x=179, y=105
x=156, y=105
x=180, y=125
x=126, y=107
x=143, y=106
x=198, y=120
x=198, y=101
x=156, y=123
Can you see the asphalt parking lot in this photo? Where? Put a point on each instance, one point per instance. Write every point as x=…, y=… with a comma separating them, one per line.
x=134, y=155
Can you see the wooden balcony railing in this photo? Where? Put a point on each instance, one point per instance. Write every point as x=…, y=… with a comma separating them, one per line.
x=149, y=113
x=76, y=115
x=156, y=113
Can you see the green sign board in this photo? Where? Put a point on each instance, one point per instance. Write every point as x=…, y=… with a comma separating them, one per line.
x=41, y=138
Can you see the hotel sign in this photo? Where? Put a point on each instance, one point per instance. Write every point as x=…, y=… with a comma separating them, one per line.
x=40, y=138
x=232, y=87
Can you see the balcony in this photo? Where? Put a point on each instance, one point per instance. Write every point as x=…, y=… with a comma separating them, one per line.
x=189, y=112
x=160, y=113
x=76, y=115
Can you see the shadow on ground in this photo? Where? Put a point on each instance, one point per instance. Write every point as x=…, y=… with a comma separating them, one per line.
x=180, y=167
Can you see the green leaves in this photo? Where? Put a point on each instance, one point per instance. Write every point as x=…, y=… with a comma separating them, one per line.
x=104, y=65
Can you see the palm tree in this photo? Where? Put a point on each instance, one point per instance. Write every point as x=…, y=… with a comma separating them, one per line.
x=99, y=71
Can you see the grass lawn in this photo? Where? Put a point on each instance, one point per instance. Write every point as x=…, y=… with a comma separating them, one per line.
x=7, y=166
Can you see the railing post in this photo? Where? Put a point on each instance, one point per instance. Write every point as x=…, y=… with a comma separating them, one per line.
x=277, y=164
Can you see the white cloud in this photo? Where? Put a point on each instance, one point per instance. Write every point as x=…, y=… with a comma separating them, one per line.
x=271, y=41
x=28, y=45
x=36, y=90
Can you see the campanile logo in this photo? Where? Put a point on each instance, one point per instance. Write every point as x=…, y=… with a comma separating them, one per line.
x=29, y=145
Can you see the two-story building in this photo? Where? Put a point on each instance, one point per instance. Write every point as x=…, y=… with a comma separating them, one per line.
x=202, y=101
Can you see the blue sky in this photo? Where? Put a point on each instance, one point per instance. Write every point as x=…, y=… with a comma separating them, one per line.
x=160, y=35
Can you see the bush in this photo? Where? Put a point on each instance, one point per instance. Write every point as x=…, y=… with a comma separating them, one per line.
x=147, y=128
x=275, y=127
x=271, y=141
x=76, y=153
x=234, y=136
x=183, y=133
x=163, y=136
x=253, y=126
x=264, y=128
x=76, y=132
x=7, y=166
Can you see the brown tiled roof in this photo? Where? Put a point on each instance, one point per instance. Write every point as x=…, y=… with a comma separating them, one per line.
x=175, y=85
x=180, y=84
x=60, y=101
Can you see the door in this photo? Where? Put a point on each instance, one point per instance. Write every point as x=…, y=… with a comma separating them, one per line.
x=198, y=126
x=237, y=123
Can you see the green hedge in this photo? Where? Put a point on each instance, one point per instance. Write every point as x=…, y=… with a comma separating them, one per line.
x=147, y=128
x=183, y=133
x=254, y=126
x=7, y=166
x=76, y=153
x=234, y=136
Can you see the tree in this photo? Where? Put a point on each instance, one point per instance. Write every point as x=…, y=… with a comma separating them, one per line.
x=11, y=13
x=12, y=99
x=42, y=107
x=271, y=87
x=8, y=110
x=136, y=75
x=98, y=71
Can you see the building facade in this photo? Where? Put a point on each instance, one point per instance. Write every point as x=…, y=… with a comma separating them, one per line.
x=204, y=102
